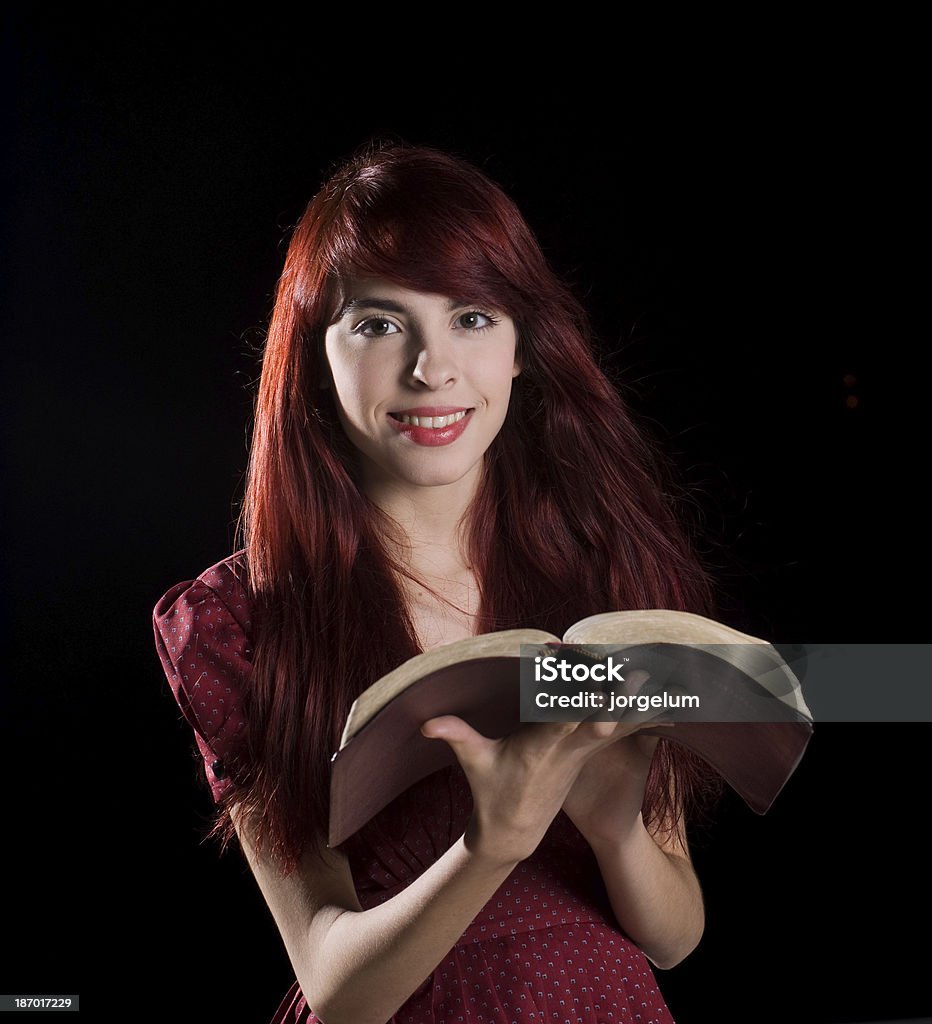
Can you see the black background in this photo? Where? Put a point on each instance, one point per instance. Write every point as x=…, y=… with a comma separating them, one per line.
x=737, y=245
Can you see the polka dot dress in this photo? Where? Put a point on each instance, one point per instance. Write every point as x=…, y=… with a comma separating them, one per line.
x=545, y=948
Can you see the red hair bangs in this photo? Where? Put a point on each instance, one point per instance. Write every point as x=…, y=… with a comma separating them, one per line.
x=420, y=221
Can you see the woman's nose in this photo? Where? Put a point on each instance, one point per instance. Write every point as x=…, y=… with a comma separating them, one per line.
x=436, y=362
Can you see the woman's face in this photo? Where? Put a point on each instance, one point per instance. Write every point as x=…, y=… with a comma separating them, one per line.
x=421, y=382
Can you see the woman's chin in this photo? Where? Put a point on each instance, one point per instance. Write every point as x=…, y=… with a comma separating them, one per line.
x=423, y=475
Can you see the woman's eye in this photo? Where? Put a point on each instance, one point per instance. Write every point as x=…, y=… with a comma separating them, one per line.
x=474, y=320
x=377, y=327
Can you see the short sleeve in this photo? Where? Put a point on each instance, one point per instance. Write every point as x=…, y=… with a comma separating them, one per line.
x=202, y=631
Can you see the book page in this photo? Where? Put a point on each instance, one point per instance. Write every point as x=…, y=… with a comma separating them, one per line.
x=505, y=643
x=654, y=625
x=762, y=662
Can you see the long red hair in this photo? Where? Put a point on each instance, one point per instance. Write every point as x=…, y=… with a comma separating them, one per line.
x=575, y=513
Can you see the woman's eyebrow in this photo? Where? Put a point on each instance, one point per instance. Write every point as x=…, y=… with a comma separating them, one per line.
x=353, y=305
x=389, y=305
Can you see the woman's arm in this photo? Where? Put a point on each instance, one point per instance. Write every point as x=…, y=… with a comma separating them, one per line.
x=650, y=879
x=359, y=966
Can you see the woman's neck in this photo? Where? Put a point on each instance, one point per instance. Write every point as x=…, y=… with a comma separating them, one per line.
x=431, y=540
x=425, y=535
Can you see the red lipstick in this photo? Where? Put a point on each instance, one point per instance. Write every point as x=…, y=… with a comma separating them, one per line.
x=431, y=437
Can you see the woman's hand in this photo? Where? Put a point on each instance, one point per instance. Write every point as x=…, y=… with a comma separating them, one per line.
x=520, y=782
x=606, y=797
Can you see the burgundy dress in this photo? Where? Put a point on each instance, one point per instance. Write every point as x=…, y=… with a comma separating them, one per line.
x=545, y=948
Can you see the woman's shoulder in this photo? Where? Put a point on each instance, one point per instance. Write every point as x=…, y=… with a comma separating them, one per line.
x=225, y=583
x=202, y=635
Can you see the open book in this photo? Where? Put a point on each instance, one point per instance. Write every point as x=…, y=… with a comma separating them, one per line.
x=752, y=725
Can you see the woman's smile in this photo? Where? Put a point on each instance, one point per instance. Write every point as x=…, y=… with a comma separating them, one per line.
x=431, y=426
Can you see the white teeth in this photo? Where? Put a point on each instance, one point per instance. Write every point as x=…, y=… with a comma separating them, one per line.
x=433, y=421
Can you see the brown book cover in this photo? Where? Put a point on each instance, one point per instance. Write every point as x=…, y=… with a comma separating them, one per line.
x=753, y=730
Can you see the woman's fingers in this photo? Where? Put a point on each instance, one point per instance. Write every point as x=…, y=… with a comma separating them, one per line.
x=535, y=738
x=531, y=735
x=461, y=736
x=455, y=730
x=445, y=727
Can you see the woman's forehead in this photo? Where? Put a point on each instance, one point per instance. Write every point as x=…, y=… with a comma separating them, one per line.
x=358, y=287
x=365, y=292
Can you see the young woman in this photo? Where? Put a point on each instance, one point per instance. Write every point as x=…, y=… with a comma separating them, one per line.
x=436, y=455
